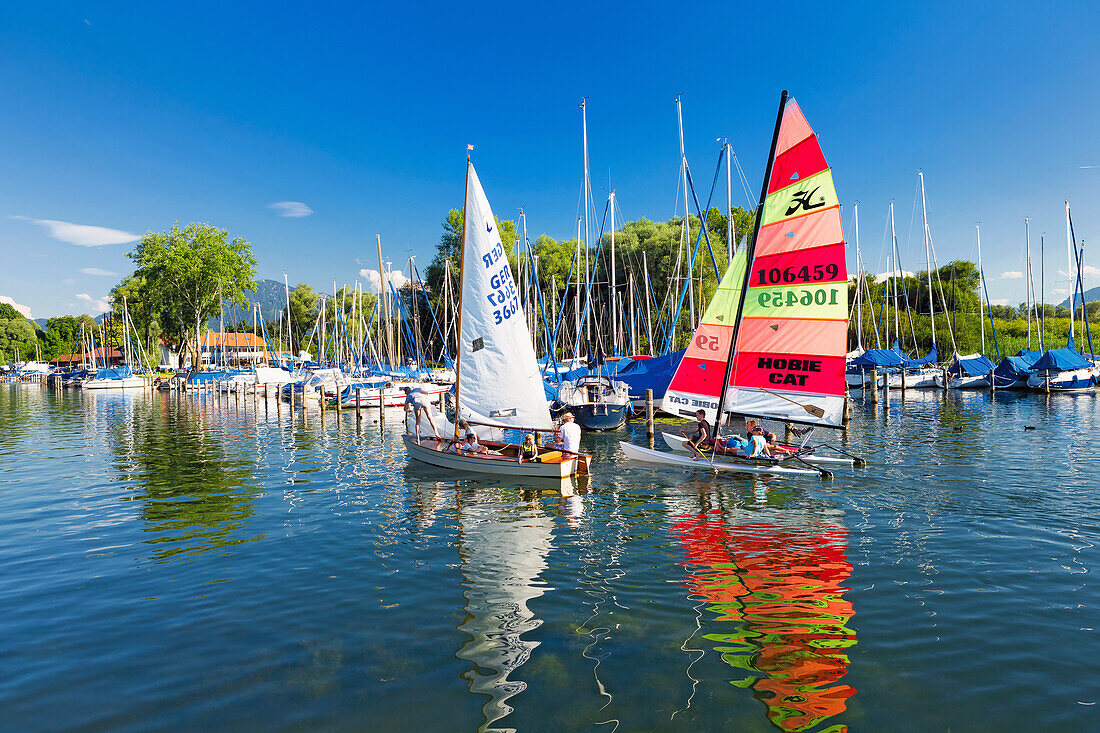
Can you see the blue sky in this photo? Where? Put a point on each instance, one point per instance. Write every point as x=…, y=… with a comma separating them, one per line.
x=130, y=116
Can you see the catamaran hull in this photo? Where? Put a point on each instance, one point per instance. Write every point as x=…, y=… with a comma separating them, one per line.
x=426, y=452
x=721, y=463
x=127, y=383
x=676, y=443
x=968, y=382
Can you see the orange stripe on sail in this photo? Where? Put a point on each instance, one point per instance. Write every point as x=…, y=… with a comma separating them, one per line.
x=794, y=128
x=801, y=232
x=793, y=336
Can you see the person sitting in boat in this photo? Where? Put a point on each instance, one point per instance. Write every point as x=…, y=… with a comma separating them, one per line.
x=418, y=402
x=471, y=445
x=732, y=445
x=570, y=441
x=759, y=443
x=528, y=451
x=773, y=448
x=700, y=437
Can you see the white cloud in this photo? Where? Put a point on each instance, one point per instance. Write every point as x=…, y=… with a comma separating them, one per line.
x=1059, y=291
x=292, y=209
x=83, y=235
x=99, y=305
x=68, y=281
x=1090, y=270
x=893, y=273
x=999, y=301
x=1012, y=275
x=374, y=281
x=98, y=271
x=25, y=310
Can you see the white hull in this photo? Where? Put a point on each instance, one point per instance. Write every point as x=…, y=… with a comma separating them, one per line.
x=981, y=382
x=914, y=380
x=676, y=443
x=1075, y=380
x=647, y=455
x=391, y=396
x=127, y=383
x=427, y=451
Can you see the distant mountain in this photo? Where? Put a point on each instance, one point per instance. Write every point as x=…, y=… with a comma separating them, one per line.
x=40, y=322
x=1090, y=295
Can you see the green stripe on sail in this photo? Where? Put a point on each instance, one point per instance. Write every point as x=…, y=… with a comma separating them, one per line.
x=723, y=306
x=828, y=301
x=803, y=197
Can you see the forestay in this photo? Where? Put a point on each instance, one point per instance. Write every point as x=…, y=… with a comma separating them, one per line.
x=498, y=378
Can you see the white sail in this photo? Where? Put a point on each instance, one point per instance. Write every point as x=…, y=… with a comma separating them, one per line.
x=498, y=378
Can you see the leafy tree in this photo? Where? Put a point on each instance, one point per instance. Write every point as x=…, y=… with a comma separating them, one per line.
x=303, y=312
x=9, y=313
x=17, y=337
x=449, y=249
x=185, y=270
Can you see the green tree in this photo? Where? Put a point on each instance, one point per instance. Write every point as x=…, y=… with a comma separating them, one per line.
x=17, y=337
x=449, y=249
x=303, y=313
x=185, y=270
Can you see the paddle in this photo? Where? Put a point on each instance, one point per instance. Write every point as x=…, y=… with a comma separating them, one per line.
x=810, y=409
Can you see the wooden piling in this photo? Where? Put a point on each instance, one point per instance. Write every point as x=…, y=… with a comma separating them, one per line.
x=381, y=405
x=358, y=410
x=321, y=401
x=845, y=417
x=649, y=414
x=874, y=385
x=946, y=384
x=992, y=384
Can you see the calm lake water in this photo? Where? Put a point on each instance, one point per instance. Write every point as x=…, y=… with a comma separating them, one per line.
x=168, y=564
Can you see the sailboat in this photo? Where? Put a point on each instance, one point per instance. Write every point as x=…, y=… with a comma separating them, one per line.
x=772, y=341
x=498, y=382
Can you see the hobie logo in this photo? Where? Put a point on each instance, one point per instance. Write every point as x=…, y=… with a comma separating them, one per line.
x=802, y=200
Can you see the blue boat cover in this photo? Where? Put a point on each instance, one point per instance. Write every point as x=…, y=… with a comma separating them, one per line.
x=878, y=358
x=929, y=358
x=122, y=372
x=1058, y=360
x=654, y=374
x=974, y=366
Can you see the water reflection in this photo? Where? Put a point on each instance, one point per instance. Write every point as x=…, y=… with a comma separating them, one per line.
x=503, y=554
x=772, y=585
x=196, y=485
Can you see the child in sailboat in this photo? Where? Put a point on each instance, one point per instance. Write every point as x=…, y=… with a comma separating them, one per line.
x=471, y=445
x=528, y=451
x=700, y=437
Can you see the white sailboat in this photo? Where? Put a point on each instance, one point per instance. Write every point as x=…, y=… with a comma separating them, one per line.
x=498, y=381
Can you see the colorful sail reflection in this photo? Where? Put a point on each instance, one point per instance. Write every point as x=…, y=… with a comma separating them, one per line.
x=778, y=589
x=792, y=338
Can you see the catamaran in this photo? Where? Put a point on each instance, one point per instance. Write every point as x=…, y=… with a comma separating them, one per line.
x=498, y=384
x=772, y=341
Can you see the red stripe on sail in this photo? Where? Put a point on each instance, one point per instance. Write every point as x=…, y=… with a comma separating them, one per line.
x=765, y=335
x=710, y=342
x=802, y=267
x=802, y=232
x=699, y=376
x=803, y=160
x=789, y=372
x=793, y=129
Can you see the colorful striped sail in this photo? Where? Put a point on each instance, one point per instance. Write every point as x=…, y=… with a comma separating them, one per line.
x=789, y=357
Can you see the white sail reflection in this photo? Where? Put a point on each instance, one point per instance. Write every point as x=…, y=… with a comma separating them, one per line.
x=502, y=559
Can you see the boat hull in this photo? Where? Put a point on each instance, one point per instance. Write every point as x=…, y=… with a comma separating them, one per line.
x=721, y=463
x=127, y=383
x=428, y=451
x=599, y=415
x=676, y=443
x=1077, y=380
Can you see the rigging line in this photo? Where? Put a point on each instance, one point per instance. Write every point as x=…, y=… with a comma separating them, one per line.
x=744, y=181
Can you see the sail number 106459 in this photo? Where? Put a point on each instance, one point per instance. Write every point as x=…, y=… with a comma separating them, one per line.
x=780, y=298
x=775, y=276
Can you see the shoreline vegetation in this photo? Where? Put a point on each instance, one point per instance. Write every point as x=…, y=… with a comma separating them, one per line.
x=184, y=277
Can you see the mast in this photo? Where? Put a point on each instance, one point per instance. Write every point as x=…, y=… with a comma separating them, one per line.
x=577, y=295
x=614, y=310
x=859, y=282
x=894, y=277
x=748, y=264
x=461, y=278
x=686, y=227
x=1042, y=294
x=729, y=203
x=587, y=193
x=981, y=286
x=385, y=341
x=927, y=259
x=289, y=344
x=648, y=313
x=1027, y=285
x=1069, y=269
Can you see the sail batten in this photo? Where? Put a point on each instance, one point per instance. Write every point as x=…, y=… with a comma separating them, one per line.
x=788, y=362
